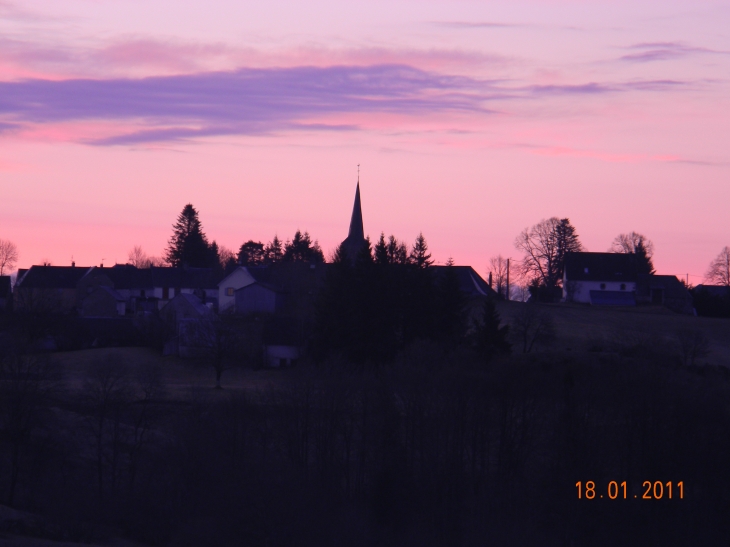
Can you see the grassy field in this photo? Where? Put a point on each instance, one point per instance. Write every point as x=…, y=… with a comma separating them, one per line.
x=581, y=327
x=578, y=329
x=178, y=376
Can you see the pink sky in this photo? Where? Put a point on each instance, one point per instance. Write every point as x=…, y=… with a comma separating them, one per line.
x=471, y=121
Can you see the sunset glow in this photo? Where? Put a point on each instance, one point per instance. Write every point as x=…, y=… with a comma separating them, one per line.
x=470, y=121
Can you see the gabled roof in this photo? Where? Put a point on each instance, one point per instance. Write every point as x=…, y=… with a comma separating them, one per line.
x=616, y=267
x=51, y=277
x=126, y=276
x=714, y=290
x=470, y=282
x=189, y=301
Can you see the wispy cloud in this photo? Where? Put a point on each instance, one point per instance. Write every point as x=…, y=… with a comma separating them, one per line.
x=246, y=101
x=263, y=101
x=475, y=24
x=663, y=51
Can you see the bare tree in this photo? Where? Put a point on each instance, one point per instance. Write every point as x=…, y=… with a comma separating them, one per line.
x=627, y=243
x=533, y=327
x=498, y=271
x=227, y=256
x=8, y=256
x=544, y=247
x=212, y=341
x=138, y=258
x=638, y=245
x=691, y=345
x=719, y=270
x=26, y=383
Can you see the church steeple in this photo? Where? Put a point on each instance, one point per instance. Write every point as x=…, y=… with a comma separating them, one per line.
x=356, y=232
x=356, y=236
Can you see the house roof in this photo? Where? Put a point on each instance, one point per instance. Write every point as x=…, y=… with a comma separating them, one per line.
x=470, y=282
x=114, y=294
x=189, y=301
x=714, y=290
x=615, y=267
x=126, y=276
x=51, y=277
x=673, y=287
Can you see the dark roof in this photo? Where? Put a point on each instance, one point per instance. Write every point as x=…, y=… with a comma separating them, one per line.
x=125, y=276
x=470, y=282
x=4, y=286
x=600, y=267
x=268, y=286
x=613, y=298
x=672, y=286
x=355, y=240
x=51, y=277
x=714, y=290
x=292, y=277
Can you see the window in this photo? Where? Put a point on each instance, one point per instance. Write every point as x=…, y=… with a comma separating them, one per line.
x=585, y=270
x=603, y=286
x=229, y=291
x=623, y=286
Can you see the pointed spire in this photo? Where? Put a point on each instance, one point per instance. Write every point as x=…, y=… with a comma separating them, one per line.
x=357, y=233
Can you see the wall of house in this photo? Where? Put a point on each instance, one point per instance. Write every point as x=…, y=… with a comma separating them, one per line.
x=236, y=280
x=277, y=356
x=579, y=291
x=256, y=299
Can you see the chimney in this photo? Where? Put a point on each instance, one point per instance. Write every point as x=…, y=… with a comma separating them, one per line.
x=73, y=264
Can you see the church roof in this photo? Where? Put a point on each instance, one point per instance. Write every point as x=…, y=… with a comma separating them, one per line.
x=356, y=230
x=356, y=237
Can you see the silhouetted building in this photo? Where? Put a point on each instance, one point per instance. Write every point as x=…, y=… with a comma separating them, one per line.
x=355, y=240
x=48, y=289
x=6, y=294
x=600, y=278
x=664, y=290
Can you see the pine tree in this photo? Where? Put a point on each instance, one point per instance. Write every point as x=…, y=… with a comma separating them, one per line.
x=273, y=251
x=301, y=249
x=419, y=254
x=490, y=337
x=381, y=251
x=188, y=245
x=251, y=253
x=644, y=264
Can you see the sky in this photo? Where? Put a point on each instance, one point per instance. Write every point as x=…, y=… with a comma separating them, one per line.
x=470, y=121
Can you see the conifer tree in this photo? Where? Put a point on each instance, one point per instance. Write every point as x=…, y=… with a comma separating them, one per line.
x=188, y=245
x=419, y=254
x=490, y=336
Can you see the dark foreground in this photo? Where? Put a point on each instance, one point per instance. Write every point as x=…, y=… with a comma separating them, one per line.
x=432, y=450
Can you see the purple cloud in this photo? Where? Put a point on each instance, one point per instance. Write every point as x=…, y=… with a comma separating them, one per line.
x=260, y=101
x=663, y=51
x=246, y=101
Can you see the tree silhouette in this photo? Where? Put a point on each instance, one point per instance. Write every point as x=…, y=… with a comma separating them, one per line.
x=719, y=270
x=188, y=244
x=273, y=252
x=498, y=275
x=545, y=246
x=302, y=249
x=252, y=253
x=8, y=256
x=638, y=245
x=419, y=253
x=490, y=336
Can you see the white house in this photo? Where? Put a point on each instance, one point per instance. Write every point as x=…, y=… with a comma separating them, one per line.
x=237, y=279
x=600, y=278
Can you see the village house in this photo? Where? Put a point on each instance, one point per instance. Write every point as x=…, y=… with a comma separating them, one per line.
x=600, y=278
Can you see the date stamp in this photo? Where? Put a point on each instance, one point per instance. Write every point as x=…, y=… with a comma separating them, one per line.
x=655, y=490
